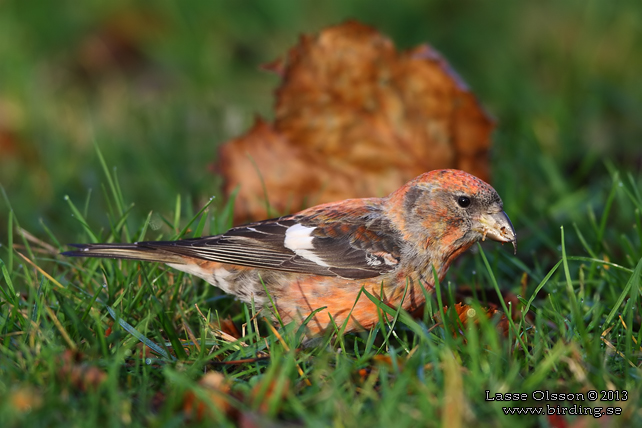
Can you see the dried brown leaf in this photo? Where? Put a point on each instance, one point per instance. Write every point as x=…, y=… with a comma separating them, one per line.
x=25, y=399
x=117, y=42
x=468, y=314
x=217, y=388
x=81, y=375
x=226, y=325
x=266, y=393
x=354, y=117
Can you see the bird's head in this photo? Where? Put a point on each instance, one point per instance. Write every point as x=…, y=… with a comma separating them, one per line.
x=444, y=212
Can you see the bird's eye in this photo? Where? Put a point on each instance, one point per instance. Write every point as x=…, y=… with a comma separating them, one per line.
x=463, y=201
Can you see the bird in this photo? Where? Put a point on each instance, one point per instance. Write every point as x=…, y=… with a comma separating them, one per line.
x=322, y=258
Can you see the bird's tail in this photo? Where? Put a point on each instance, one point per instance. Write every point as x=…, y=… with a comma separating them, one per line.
x=137, y=251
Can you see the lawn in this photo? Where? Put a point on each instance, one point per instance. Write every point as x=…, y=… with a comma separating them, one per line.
x=117, y=148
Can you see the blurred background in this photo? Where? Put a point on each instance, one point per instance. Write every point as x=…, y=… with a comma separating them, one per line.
x=158, y=86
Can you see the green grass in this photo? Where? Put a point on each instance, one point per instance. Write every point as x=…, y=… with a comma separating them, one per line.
x=562, y=78
x=582, y=334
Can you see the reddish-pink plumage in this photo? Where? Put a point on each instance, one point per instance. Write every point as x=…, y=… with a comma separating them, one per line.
x=326, y=255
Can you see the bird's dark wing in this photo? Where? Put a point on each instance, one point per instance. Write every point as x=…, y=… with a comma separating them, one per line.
x=354, y=244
